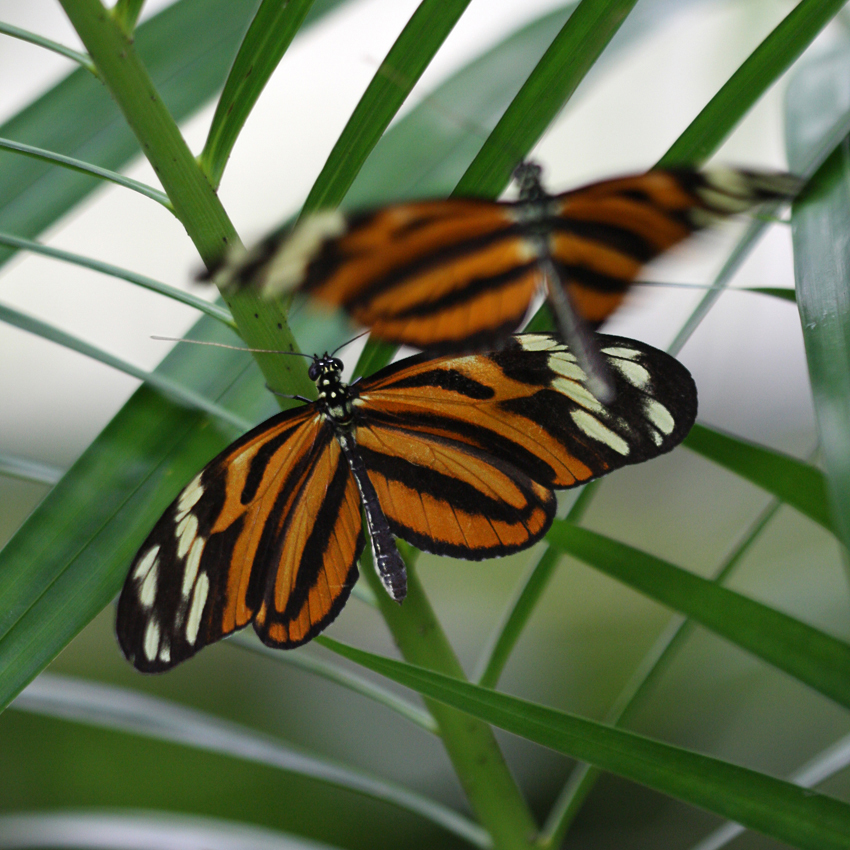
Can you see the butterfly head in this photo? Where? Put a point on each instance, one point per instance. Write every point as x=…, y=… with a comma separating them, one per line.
x=326, y=372
x=527, y=177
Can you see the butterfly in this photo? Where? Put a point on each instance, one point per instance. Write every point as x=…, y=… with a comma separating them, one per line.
x=459, y=274
x=457, y=455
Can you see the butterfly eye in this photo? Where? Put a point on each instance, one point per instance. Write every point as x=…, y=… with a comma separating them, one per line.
x=314, y=371
x=337, y=364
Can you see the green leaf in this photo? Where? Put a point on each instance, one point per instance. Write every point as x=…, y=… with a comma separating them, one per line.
x=809, y=655
x=631, y=698
x=549, y=86
x=127, y=12
x=87, y=168
x=780, y=292
x=187, y=298
x=68, y=559
x=111, y=707
x=409, y=56
x=269, y=35
x=174, y=390
x=131, y=827
x=334, y=673
x=29, y=470
x=429, y=148
x=47, y=44
x=34, y=194
x=794, y=481
x=802, y=818
x=751, y=80
x=817, y=98
x=508, y=632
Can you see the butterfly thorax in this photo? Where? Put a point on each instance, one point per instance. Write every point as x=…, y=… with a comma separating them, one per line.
x=535, y=207
x=334, y=396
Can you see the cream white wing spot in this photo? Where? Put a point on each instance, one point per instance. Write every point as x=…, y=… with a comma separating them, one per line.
x=192, y=492
x=286, y=268
x=659, y=416
x=633, y=372
x=730, y=181
x=724, y=203
x=537, y=342
x=146, y=563
x=151, y=641
x=187, y=531
x=566, y=366
x=622, y=353
x=147, y=589
x=165, y=652
x=196, y=610
x=192, y=564
x=578, y=393
x=591, y=426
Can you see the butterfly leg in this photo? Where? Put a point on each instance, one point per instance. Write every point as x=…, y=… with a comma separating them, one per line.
x=388, y=562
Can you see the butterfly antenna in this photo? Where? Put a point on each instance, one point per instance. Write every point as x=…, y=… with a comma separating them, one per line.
x=349, y=341
x=232, y=347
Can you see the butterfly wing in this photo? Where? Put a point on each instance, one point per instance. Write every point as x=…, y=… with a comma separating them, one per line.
x=464, y=452
x=601, y=235
x=268, y=531
x=445, y=275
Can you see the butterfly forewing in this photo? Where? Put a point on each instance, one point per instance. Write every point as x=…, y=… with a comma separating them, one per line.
x=603, y=234
x=236, y=542
x=463, y=450
x=446, y=274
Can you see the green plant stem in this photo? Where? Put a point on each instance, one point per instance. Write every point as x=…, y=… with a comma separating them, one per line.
x=126, y=13
x=470, y=743
x=261, y=325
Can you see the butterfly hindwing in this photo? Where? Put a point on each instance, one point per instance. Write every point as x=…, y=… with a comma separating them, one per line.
x=229, y=547
x=449, y=497
x=320, y=533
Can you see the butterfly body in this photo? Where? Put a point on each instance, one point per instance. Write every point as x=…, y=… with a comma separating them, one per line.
x=457, y=455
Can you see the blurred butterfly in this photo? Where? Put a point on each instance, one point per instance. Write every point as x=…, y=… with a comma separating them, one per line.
x=457, y=455
x=459, y=274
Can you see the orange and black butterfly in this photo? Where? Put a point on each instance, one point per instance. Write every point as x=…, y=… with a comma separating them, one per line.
x=457, y=455
x=459, y=274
